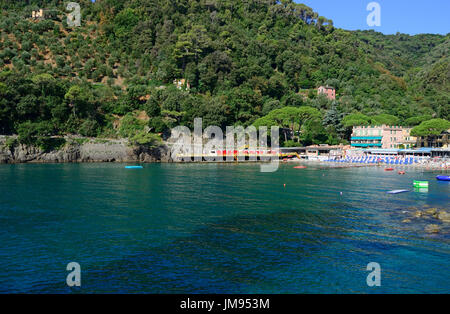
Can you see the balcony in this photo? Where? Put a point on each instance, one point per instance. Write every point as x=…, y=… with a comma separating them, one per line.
x=367, y=145
x=367, y=138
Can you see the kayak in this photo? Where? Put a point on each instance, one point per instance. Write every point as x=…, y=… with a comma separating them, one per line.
x=389, y=169
x=133, y=167
x=300, y=167
x=443, y=178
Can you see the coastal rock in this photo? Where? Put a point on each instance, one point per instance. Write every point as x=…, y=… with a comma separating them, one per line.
x=418, y=214
x=444, y=216
x=105, y=151
x=431, y=211
x=5, y=155
x=145, y=154
x=432, y=229
x=406, y=221
x=84, y=150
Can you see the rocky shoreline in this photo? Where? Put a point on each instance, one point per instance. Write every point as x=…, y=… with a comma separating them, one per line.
x=82, y=150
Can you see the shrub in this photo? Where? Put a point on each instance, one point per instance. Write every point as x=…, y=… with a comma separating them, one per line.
x=89, y=128
x=11, y=142
x=129, y=126
x=157, y=125
x=38, y=134
x=147, y=139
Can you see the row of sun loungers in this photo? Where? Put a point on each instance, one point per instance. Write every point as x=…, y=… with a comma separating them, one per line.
x=376, y=160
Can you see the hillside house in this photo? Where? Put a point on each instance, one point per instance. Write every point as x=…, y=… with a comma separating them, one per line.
x=329, y=92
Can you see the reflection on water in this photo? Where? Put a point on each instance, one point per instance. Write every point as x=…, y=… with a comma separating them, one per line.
x=219, y=229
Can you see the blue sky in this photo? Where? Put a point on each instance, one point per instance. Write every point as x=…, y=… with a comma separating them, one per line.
x=404, y=16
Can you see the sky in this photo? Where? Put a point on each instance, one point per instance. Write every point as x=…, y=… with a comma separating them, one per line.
x=404, y=16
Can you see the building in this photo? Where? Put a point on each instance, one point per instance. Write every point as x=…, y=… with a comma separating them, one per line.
x=312, y=152
x=183, y=83
x=408, y=140
x=43, y=14
x=39, y=14
x=441, y=152
x=435, y=141
x=328, y=91
x=384, y=136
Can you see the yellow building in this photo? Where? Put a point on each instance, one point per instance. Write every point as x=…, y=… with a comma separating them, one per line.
x=408, y=140
x=435, y=141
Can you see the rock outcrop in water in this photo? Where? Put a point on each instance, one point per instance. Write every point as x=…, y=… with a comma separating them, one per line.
x=438, y=220
x=432, y=229
x=444, y=216
x=83, y=150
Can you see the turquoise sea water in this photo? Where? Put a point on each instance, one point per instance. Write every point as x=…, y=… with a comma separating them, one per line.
x=218, y=228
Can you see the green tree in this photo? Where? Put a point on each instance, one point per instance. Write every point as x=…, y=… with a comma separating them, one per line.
x=36, y=134
x=356, y=119
x=130, y=126
x=124, y=22
x=80, y=100
x=386, y=119
x=413, y=121
x=431, y=127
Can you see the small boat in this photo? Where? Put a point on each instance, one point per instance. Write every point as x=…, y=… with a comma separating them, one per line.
x=133, y=167
x=443, y=178
x=401, y=172
x=397, y=191
x=300, y=167
x=389, y=169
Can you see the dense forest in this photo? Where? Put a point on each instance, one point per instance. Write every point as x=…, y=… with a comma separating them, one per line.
x=242, y=62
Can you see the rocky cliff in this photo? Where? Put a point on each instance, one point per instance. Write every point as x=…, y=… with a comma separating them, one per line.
x=82, y=150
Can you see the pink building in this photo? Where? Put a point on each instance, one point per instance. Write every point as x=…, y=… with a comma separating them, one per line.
x=330, y=92
x=384, y=136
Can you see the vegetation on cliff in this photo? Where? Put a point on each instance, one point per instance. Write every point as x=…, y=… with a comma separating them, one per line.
x=246, y=62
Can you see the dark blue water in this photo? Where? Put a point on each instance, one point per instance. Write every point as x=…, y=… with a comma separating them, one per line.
x=218, y=229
